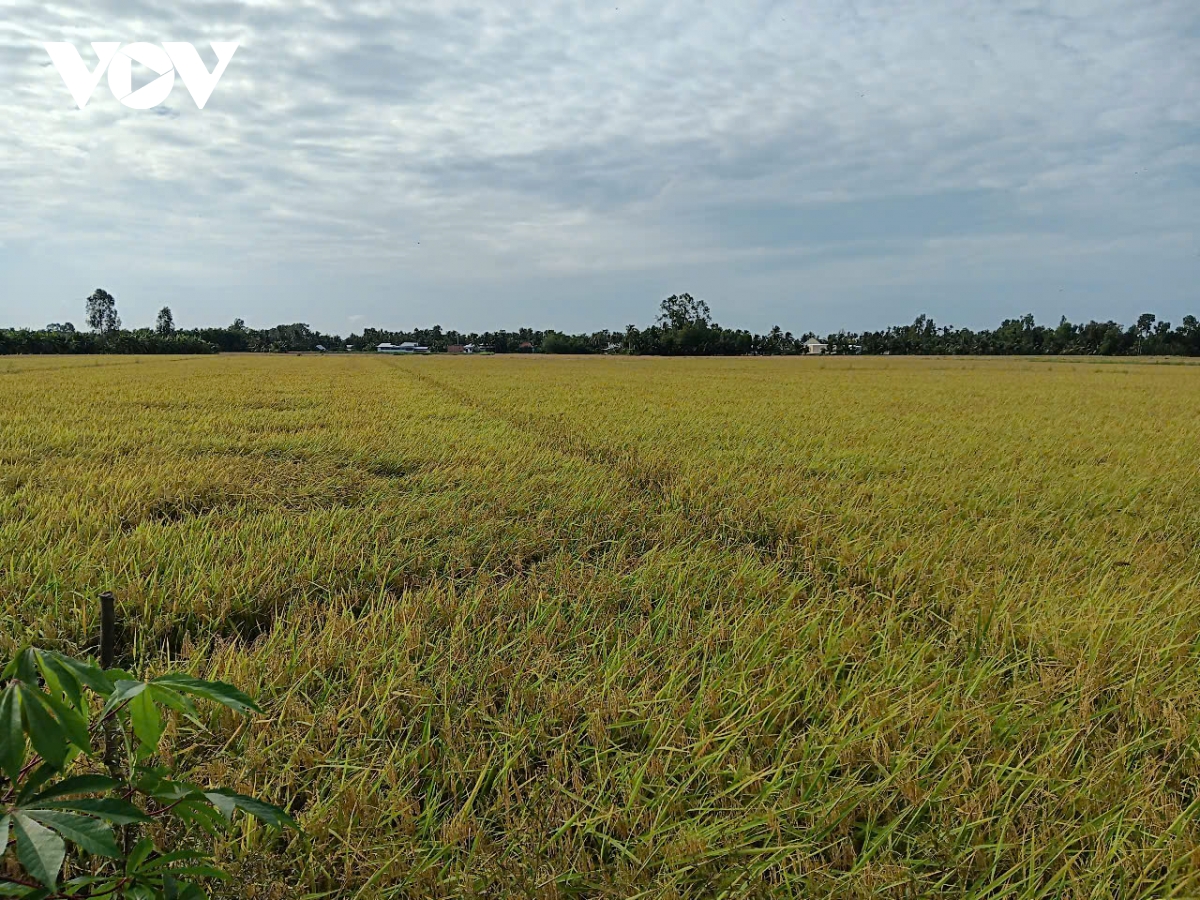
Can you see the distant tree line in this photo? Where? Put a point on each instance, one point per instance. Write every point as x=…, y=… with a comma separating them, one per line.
x=684, y=327
x=1024, y=337
x=138, y=341
x=104, y=334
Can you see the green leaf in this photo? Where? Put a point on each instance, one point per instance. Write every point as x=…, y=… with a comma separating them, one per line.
x=217, y=691
x=173, y=889
x=80, y=784
x=34, y=782
x=224, y=804
x=46, y=735
x=174, y=700
x=23, y=667
x=71, y=721
x=201, y=814
x=101, y=886
x=39, y=849
x=125, y=690
x=12, y=736
x=88, y=673
x=60, y=679
x=111, y=809
x=227, y=801
x=89, y=834
x=4, y=823
x=147, y=723
x=140, y=853
x=25, y=893
x=166, y=791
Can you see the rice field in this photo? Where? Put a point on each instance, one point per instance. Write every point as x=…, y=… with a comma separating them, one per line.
x=629, y=627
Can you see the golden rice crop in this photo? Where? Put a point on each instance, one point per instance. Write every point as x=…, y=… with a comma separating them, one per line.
x=559, y=627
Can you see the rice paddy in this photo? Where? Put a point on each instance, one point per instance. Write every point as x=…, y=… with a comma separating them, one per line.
x=631, y=627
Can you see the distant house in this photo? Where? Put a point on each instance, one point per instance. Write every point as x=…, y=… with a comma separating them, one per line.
x=612, y=348
x=349, y=348
x=406, y=347
x=456, y=348
x=815, y=347
x=321, y=348
x=526, y=347
x=470, y=348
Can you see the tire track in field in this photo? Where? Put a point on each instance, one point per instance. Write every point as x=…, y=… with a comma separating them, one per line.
x=630, y=463
x=769, y=540
x=84, y=367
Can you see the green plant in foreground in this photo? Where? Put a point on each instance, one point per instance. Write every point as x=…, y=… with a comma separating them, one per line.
x=76, y=747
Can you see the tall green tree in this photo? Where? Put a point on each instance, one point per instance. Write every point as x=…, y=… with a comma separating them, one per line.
x=1144, y=328
x=681, y=310
x=166, y=322
x=102, y=312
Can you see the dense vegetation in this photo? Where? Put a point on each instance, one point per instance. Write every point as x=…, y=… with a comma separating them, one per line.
x=857, y=627
x=684, y=328
x=123, y=342
x=1147, y=337
x=84, y=790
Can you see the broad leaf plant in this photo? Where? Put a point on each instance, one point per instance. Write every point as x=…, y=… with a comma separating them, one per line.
x=78, y=782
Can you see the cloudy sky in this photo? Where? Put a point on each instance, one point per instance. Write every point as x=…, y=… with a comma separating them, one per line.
x=819, y=164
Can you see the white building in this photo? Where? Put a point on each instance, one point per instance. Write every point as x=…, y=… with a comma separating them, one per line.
x=815, y=347
x=406, y=347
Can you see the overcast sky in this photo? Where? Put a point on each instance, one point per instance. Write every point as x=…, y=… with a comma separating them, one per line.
x=821, y=165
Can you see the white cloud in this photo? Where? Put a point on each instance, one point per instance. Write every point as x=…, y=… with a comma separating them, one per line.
x=471, y=149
